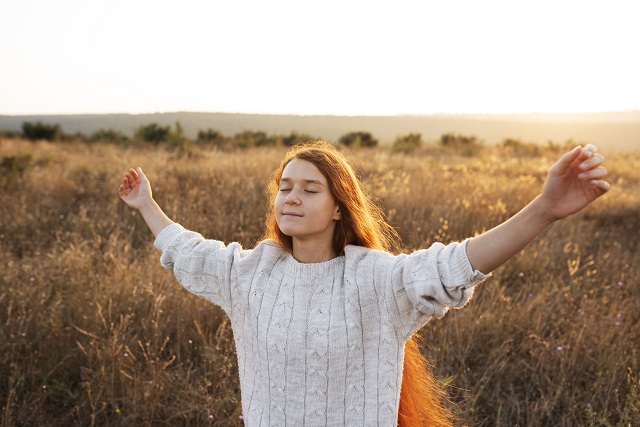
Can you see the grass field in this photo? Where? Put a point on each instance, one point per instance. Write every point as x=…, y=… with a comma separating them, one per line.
x=94, y=332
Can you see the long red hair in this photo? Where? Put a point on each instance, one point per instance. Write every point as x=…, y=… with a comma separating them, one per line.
x=422, y=399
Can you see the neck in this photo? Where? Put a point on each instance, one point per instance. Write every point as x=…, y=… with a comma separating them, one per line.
x=312, y=252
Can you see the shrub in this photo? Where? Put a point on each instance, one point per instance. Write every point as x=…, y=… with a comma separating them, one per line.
x=153, y=133
x=11, y=134
x=209, y=136
x=249, y=138
x=39, y=130
x=358, y=139
x=12, y=168
x=177, y=139
x=407, y=143
x=109, y=135
x=296, y=138
x=461, y=144
x=516, y=147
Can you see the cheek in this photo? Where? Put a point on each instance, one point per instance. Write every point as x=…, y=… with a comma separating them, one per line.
x=279, y=201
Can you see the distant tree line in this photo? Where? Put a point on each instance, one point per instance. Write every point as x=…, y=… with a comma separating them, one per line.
x=175, y=138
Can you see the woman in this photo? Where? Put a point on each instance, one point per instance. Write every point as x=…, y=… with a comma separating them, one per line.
x=322, y=314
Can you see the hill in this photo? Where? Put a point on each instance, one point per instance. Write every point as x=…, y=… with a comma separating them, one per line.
x=610, y=131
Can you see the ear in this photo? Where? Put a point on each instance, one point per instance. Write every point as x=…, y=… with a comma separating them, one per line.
x=337, y=215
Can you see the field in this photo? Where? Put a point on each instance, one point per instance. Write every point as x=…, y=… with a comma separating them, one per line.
x=95, y=332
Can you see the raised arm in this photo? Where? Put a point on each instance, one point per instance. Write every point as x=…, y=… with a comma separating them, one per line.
x=135, y=191
x=573, y=182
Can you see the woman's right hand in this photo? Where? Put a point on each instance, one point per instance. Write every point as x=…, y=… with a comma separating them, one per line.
x=135, y=189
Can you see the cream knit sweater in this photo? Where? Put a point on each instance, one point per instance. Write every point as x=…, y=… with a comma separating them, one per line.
x=320, y=344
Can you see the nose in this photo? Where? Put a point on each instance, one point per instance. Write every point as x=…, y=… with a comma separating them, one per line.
x=292, y=198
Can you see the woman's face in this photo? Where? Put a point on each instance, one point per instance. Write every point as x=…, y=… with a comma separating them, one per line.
x=305, y=208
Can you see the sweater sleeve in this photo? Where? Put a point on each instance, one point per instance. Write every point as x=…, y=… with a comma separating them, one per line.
x=428, y=282
x=204, y=267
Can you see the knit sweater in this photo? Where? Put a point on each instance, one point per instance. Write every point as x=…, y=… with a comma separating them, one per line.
x=320, y=344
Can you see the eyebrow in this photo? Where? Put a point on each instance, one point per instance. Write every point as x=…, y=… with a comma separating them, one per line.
x=308, y=181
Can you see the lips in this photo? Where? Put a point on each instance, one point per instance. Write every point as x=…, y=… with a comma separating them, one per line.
x=291, y=214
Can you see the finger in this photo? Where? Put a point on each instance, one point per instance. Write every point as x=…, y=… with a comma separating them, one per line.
x=592, y=162
x=597, y=173
x=131, y=178
x=601, y=186
x=589, y=150
x=134, y=176
x=141, y=174
x=122, y=190
x=567, y=159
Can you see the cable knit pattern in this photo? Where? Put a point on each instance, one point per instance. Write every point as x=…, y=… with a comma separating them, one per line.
x=320, y=344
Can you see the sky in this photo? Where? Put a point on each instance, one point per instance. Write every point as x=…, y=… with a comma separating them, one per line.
x=341, y=57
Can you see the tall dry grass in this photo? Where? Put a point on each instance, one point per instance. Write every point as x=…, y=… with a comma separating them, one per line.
x=94, y=332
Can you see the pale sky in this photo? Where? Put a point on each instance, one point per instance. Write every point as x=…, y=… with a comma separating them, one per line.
x=319, y=57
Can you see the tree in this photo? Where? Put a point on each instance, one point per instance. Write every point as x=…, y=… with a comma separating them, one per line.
x=39, y=130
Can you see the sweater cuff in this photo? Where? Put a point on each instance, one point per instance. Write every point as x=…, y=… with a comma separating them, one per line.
x=463, y=266
x=167, y=234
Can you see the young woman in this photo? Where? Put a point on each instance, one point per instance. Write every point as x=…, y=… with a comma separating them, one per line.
x=322, y=313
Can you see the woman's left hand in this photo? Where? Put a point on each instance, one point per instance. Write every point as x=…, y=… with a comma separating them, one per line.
x=574, y=181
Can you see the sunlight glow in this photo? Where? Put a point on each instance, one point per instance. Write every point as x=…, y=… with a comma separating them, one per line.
x=329, y=57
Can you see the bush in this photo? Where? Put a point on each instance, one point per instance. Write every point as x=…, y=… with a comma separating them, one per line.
x=38, y=130
x=407, y=143
x=11, y=134
x=358, y=139
x=461, y=144
x=109, y=135
x=153, y=133
x=295, y=138
x=249, y=138
x=209, y=137
x=516, y=147
x=12, y=168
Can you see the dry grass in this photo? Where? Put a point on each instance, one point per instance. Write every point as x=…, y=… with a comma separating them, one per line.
x=94, y=332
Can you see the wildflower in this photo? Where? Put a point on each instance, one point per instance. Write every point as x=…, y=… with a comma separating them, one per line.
x=190, y=342
x=210, y=417
x=117, y=410
x=200, y=309
x=126, y=355
x=619, y=315
x=521, y=274
x=72, y=280
x=188, y=360
x=559, y=348
x=618, y=323
x=589, y=405
x=619, y=283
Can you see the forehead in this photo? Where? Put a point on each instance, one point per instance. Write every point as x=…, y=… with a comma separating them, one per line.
x=302, y=170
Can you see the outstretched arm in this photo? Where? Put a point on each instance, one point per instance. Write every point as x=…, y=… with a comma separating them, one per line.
x=573, y=182
x=135, y=191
